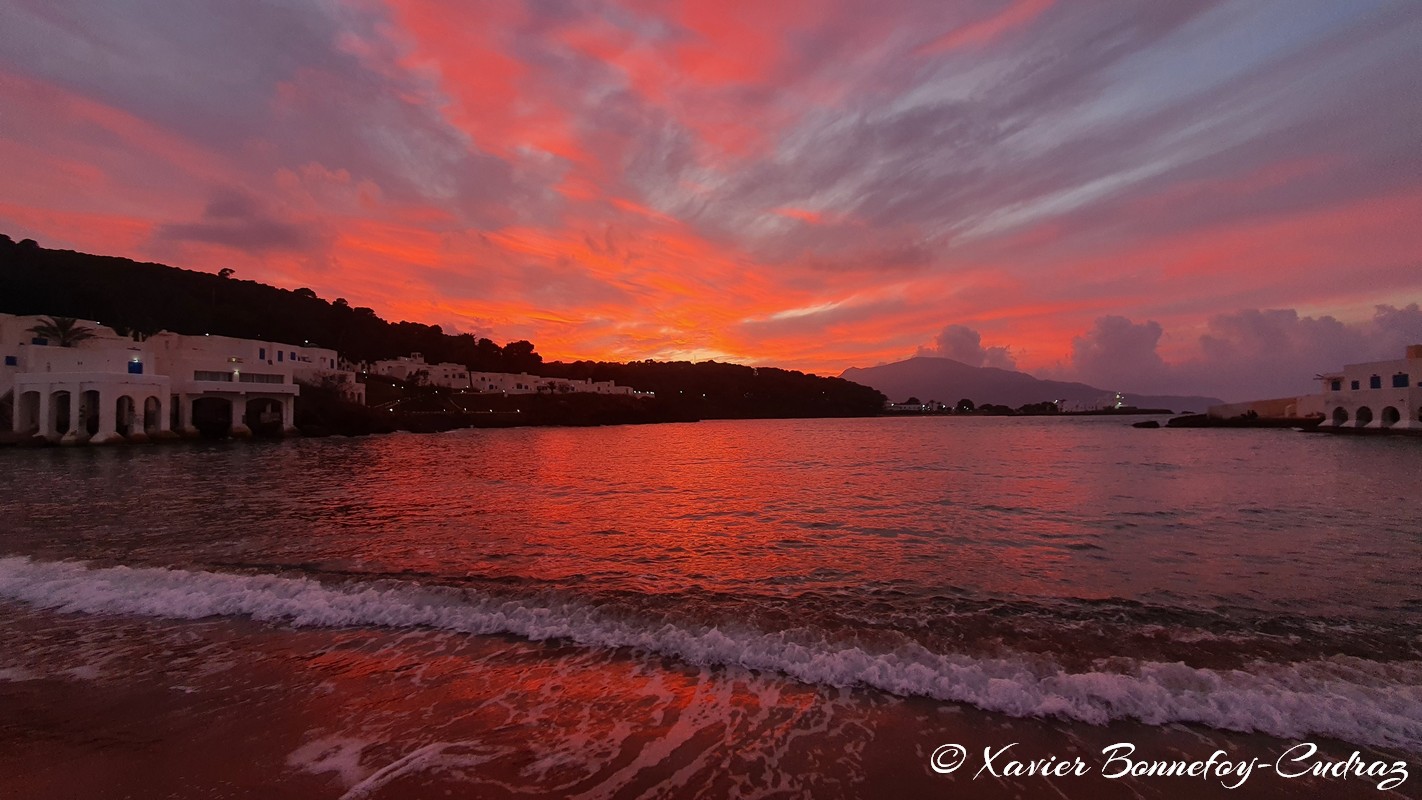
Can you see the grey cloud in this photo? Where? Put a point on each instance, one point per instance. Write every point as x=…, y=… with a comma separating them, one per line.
x=238, y=220
x=1118, y=353
x=961, y=343
x=1246, y=354
x=271, y=86
x=1261, y=353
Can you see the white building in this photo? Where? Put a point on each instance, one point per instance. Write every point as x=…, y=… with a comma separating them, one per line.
x=523, y=383
x=248, y=376
x=1378, y=395
x=110, y=388
x=444, y=374
x=320, y=366
x=105, y=389
x=1383, y=395
x=457, y=376
x=505, y=382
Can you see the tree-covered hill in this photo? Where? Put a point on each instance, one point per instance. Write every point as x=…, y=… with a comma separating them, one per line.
x=132, y=296
x=710, y=389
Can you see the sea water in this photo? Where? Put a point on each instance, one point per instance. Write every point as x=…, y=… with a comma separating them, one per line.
x=817, y=608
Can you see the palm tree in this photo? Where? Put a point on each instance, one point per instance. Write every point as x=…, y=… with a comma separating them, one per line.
x=62, y=330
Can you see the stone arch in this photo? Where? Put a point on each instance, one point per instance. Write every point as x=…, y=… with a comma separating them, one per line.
x=212, y=416
x=1364, y=416
x=264, y=416
x=89, y=412
x=1390, y=417
x=59, y=405
x=27, y=412
x=123, y=415
x=152, y=414
x=1340, y=416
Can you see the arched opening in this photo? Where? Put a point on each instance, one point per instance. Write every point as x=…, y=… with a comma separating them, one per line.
x=212, y=416
x=152, y=415
x=1365, y=416
x=1390, y=417
x=264, y=417
x=89, y=412
x=123, y=415
x=1340, y=416
x=27, y=410
x=58, y=414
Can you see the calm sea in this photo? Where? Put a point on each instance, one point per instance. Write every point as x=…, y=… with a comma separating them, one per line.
x=805, y=608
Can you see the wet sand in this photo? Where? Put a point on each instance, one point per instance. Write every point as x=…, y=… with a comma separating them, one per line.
x=119, y=707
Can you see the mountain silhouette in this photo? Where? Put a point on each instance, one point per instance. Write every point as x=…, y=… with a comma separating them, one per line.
x=949, y=381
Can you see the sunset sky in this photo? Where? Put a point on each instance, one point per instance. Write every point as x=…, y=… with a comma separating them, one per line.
x=1201, y=197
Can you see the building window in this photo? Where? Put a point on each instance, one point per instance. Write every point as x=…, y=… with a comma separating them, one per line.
x=209, y=375
x=279, y=355
x=1337, y=386
x=39, y=340
x=1399, y=381
x=262, y=353
x=293, y=355
x=12, y=361
x=1375, y=382
x=135, y=367
x=258, y=377
x=1355, y=384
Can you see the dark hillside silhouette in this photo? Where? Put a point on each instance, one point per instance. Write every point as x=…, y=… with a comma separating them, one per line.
x=137, y=297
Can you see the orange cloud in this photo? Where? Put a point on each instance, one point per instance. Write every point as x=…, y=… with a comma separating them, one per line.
x=1018, y=13
x=804, y=215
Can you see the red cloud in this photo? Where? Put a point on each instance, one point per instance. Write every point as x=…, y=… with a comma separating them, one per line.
x=1017, y=14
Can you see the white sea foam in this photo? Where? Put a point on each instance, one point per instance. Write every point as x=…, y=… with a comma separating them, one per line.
x=1359, y=701
x=337, y=754
x=16, y=675
x=435, y=756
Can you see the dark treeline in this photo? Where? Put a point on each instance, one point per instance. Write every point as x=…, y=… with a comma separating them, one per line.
x=710, y=389
x=136, y=297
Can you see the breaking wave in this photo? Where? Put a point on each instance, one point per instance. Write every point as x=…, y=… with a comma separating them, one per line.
x=1348, y=698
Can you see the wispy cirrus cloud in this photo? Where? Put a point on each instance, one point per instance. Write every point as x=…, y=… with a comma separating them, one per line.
x=811, y=184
